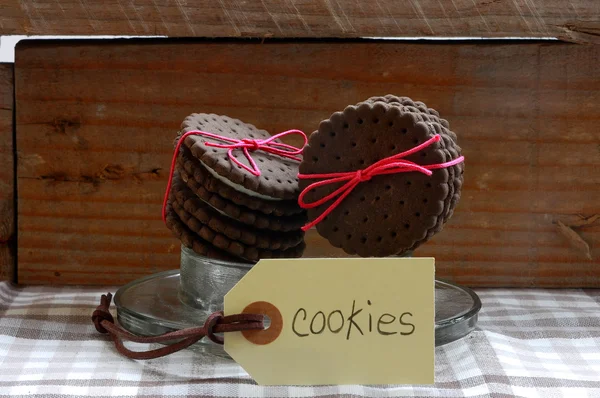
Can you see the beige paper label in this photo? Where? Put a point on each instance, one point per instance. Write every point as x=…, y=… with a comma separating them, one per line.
x=337, y=321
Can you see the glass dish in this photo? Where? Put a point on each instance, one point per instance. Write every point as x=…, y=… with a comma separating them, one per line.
x=179, y=299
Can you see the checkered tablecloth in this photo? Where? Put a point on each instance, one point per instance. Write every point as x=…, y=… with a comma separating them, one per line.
x=531, y=343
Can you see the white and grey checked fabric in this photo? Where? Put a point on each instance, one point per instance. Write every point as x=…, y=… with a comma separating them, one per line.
x=530, y=343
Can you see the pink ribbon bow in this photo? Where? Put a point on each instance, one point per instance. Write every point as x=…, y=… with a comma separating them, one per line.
x=390, y=165
x=247, y=145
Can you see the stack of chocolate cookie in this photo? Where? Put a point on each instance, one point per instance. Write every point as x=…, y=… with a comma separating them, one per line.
x=235, y=204
x=382, y=177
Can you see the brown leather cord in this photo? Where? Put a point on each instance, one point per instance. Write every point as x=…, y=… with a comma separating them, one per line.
x=216, y=323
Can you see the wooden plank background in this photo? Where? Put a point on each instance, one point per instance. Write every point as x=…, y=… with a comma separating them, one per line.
x=95, y=123
x=7, y=211
x=575, y=20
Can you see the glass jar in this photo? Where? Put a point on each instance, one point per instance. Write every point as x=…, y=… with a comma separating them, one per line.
x=204, y=282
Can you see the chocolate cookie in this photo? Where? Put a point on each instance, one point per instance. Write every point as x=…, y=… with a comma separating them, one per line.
x=278, y=179
x=207, y=217
x=189, y=239
x=387, y=214
x=212, y=184
x=229, y=246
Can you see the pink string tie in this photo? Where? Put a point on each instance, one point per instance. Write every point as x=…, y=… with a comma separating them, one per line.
x=247, y=145
x=390, y=165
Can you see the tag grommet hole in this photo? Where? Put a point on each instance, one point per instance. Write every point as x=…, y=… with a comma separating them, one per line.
x=272, y=323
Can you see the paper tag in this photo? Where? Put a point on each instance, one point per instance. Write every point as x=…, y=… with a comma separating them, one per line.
x=337, y=321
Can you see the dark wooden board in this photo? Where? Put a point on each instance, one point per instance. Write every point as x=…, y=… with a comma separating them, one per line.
x=95, y=123
x=7, y=210
x=576, y=20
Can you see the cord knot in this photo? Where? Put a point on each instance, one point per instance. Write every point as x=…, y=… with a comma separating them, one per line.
x=102, y=313
x=253, y=144
x=213, y=320
x=362, y=177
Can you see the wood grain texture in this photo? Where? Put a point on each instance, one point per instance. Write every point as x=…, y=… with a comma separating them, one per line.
x=576, y=20
x=96, y=122
x=7, y=210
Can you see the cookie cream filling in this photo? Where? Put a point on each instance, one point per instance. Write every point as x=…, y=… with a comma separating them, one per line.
x=235, y=186
x=215, y=209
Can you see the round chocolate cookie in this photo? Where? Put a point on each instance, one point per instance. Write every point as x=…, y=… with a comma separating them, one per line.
x=227, y=245
x=207, y=217
x=387, y=214
x=278, y=179
x=209, y=182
